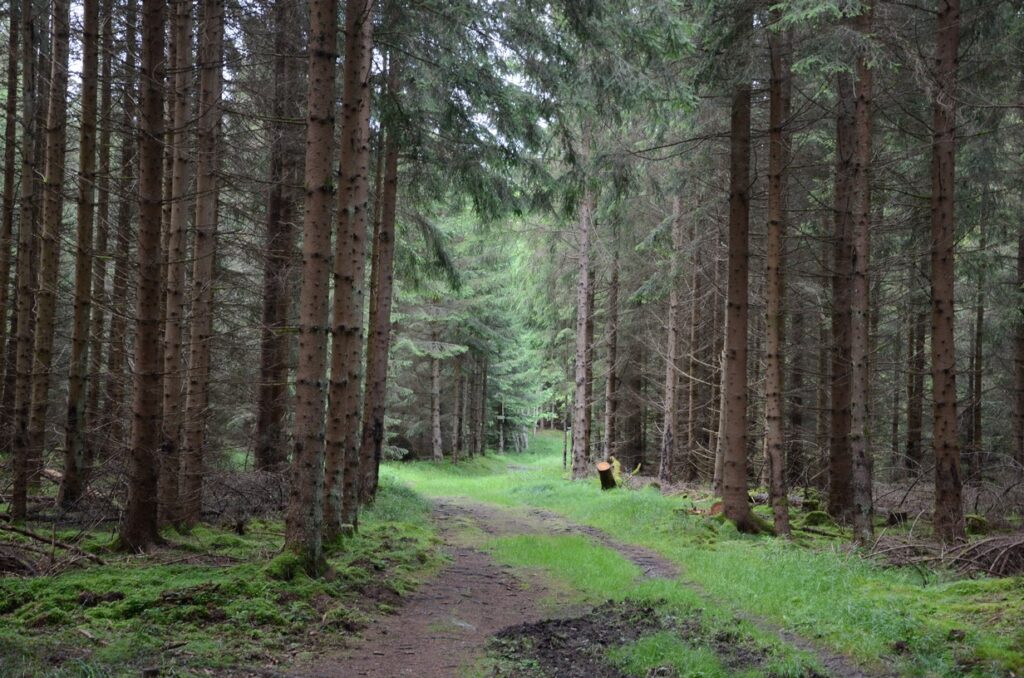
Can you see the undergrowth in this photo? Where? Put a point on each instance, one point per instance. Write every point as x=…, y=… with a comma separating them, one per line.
x=212, y=599
x=925, y=623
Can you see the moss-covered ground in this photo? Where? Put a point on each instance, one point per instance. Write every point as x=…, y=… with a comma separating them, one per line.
x=212, y=599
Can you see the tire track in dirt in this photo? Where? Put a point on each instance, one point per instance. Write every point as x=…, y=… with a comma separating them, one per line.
x=444, y=627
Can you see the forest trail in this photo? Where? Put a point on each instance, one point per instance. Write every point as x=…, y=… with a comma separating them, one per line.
x=443, y=628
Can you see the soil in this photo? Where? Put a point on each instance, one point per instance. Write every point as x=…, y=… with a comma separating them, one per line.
x=476, y=607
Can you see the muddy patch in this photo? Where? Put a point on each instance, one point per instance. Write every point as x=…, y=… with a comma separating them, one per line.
x=579, y=647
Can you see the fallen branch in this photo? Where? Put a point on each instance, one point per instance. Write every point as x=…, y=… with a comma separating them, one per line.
x=67, y=547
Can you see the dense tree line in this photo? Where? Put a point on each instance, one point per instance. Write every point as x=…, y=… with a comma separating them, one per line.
x=702, y=236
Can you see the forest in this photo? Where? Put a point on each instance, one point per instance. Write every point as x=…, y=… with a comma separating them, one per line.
x=512, y=338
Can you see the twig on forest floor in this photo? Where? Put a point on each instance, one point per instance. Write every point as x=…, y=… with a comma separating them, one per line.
x=53, y=542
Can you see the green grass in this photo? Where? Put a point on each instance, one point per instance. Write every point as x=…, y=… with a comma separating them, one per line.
x=816, y=588
x=229, y=612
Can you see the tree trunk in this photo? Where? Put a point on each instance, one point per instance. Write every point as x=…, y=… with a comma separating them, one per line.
x=378, y=342
x=581, y=406
x=734, y=396
x=100, y=254
x=177, y=224
x=138, y=529
x=465, y=445
x=482, y=421
x=978, y=363
x=10, y=139
x=26, y=267
x=1018, y=363
x=50, y=240
x=915, y=392
x=350, y=259
x=611, y=390
x=948, y=516
x=670, y=433
x=197, y=398
x=304, y=516
x=456, y=438
x=588, y=433
x=435, y=408
x=860, y=348
x=285, y=165
x=775, y=291
x=840, y=495
x=114, y=410
x=72, y=482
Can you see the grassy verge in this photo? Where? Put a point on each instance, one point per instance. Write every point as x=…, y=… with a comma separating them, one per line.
x=212, y=600
x=925, y=623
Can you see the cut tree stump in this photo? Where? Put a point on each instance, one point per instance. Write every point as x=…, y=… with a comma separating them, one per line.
x=604, y=471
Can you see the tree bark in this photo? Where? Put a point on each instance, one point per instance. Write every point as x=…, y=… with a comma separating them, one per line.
x=611, y=391
x=72, y=482
x=285, y=165
x=10, y=139
x=435, y=408
x=178, y=138
x=670, y=434
x=977, y=368
x=197, y=398
x=100, y=253
x=775, y=291
x=948, y=516
x=26, y=266
x=116, y=355
x=1018, y=363
x=457, y=411
x=581, y=406
x=734, y=396
x=860, y=348
x=49, y=243
x=304, y=516
x=915, y=392
x=379, y=340
x=840, y=496
x=138, y=529
x=350, y=258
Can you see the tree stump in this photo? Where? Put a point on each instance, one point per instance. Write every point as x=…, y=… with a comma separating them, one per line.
x=604, y=472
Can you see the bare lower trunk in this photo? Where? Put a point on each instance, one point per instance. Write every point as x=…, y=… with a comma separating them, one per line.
x=10, y=139
x=100, y=248
x=379, y=339
x=670, y=433
x=915, y=392
x=1018, y=364
x=775, y=303
x=948, y=516
x=581, y=408
x=350, y=260
x=734, y=396
x=456, y=438
x=138, y=529
x=611, y=392
x=840, y=494
x=197, y=398
x=285, y=176
x=860, y=348
x=26, y=268
x=74, y=430
x=304, y=515
x=435, y=409
x=49, y=244
x=114, y=410
x=175, y=280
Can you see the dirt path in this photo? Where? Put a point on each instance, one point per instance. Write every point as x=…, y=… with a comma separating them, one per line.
x=444, y=627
